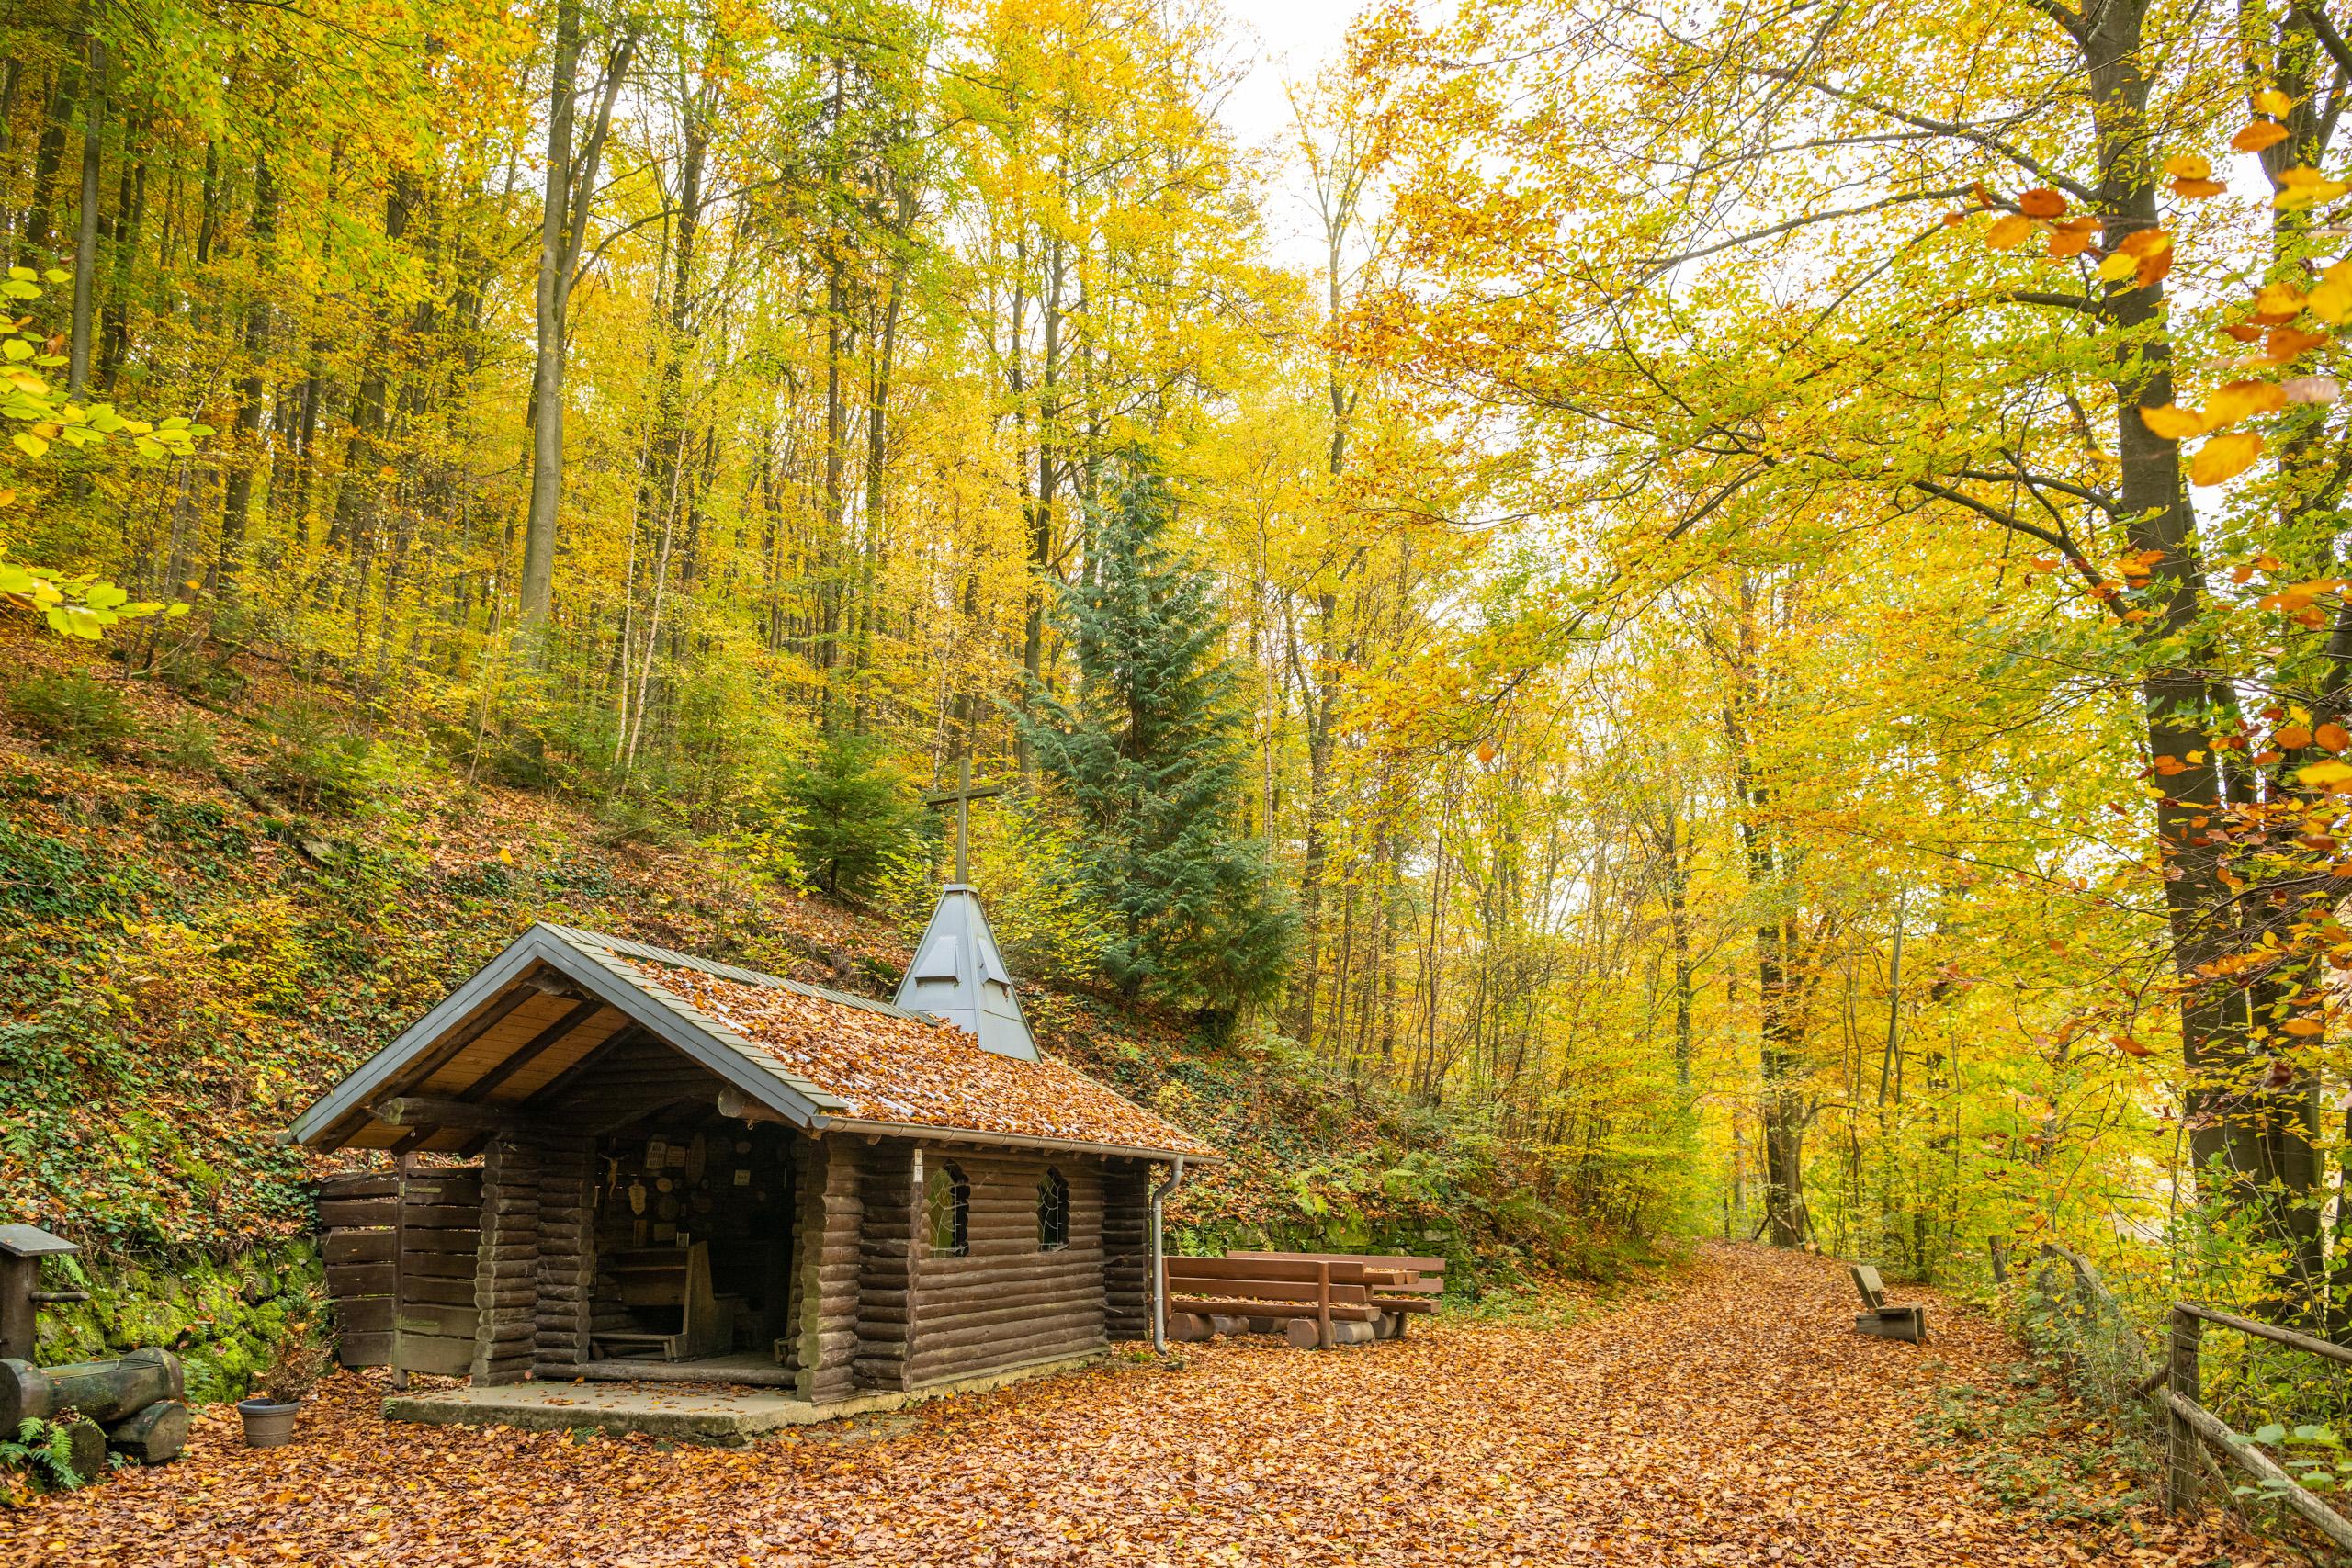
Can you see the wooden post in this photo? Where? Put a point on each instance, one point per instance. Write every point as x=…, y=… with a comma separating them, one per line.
x=1323, y=1340
x=2180, y=1439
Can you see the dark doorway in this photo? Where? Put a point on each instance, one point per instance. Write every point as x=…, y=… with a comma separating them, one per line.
x=694, y=1239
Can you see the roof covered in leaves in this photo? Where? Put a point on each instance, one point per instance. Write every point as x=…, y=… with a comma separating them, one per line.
x=515, y=1034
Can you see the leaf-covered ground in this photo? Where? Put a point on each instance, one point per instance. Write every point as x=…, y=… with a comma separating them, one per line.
x=1731, y=1417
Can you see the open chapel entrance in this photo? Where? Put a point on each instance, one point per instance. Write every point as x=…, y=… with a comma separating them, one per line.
x=693, y=1240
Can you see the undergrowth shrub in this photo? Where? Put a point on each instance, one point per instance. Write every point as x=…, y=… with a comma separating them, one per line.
x=74, y=714
x=314, y=761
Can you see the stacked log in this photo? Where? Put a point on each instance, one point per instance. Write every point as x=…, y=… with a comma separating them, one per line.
x=137, y=1400
x=506, y=1265
x=891, y=1198
x=566, y=1269
x=1127, y=1249
x=826, y=1264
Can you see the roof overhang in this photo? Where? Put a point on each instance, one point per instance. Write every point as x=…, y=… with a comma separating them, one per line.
x=671, y=1019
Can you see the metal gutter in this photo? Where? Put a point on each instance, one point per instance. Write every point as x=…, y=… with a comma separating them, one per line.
x=1006, y=1140
x=1159, y=1196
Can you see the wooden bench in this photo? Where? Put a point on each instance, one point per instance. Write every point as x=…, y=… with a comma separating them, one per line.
x=1882, y=1321
x=1211, y=1295
x=1400, y=1286
x=667, y=1289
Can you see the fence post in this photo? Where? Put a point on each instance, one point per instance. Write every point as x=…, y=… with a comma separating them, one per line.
x=2180, y=1439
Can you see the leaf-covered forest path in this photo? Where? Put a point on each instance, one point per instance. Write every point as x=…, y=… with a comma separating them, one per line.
x=1731, y=1416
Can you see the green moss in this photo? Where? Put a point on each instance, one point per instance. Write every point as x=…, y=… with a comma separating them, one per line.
x=219, y=1317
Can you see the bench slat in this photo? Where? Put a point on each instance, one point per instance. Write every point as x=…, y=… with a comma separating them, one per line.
x=1223, y=1306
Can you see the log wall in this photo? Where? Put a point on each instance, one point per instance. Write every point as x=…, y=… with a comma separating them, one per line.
x=1008, y=1302
x=355, y=1218
x=566, y=1266
x=1126, y=1248
x=890, y=1201
x=827, y=1263
x=507, y=1264
x=438, y=1243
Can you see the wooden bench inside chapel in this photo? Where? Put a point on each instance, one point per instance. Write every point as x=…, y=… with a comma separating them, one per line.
x=676, y=1316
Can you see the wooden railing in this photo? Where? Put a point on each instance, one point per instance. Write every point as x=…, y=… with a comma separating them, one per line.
x=2190, y=1421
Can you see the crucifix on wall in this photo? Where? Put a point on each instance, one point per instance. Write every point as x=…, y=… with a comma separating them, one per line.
x=961, y=797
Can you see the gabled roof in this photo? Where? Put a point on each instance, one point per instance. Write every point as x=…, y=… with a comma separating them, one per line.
x=960, y=978
x=515, y=1035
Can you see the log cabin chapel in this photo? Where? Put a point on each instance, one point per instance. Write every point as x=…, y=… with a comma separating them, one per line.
x=672, y=1169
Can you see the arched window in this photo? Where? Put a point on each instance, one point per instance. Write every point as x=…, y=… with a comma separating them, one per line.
x=948, y=1198
x=1053, y=1212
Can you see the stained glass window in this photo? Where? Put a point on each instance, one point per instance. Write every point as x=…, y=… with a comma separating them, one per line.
x=948, y=1198
x=1053, y=1212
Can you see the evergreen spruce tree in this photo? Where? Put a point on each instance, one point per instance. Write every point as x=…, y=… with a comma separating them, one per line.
x=1149, y=751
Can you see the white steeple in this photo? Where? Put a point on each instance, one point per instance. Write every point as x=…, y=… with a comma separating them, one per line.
x=958, y=976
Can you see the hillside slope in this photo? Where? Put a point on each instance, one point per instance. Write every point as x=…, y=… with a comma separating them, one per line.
x=205, y=915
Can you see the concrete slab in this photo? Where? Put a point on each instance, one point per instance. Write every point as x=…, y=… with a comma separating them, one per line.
x=685, y=1412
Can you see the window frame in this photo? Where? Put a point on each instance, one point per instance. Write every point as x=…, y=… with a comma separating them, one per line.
x=1053, y=1210
x=947, y=1197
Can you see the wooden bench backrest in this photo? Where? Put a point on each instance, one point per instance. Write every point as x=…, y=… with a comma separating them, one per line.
x=1429, y=1272
x=1297, y=1270
x=1873, y=1292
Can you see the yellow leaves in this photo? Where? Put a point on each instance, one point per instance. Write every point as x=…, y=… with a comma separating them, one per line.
x=2173, y=423
x=2277, y=302
x=2325, y=775
x=2225, y=458
x=2242, y=399
x=2306, y=187
x=2189, y=167
x=2307, y=1028
x=2331, y=298
x=2272, y=102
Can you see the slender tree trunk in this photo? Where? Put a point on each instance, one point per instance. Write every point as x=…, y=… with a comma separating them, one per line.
x=86, y=243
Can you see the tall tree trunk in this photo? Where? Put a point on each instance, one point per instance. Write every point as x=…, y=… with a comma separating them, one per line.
x=237, y=494
x=537, y=591
x=86, y=243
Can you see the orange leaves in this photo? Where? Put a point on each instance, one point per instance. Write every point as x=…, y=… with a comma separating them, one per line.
x=2010, y=232
x=2225, y=458
x=2242, y=399
x=2333, y=736
x=2192, y=176
x=2042, y=202
x=2258, y=135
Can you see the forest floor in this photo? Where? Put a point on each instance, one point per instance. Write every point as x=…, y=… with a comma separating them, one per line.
x=1728, y=1414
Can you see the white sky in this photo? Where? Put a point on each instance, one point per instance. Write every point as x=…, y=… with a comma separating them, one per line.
x=1283, y=40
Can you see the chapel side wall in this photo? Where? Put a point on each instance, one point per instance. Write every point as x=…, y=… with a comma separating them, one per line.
x=1008, y=1302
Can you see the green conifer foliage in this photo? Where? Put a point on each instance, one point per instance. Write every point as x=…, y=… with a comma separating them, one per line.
x=1148, y=748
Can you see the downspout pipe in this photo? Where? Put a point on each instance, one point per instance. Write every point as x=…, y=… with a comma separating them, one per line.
x=1159, y=1196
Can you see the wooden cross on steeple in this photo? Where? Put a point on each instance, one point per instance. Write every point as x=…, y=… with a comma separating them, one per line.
x=961, y=797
